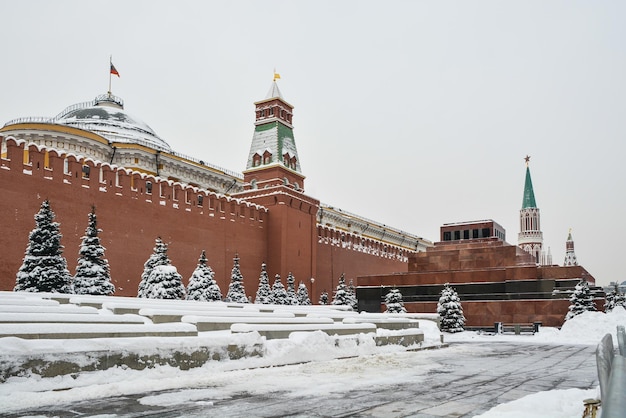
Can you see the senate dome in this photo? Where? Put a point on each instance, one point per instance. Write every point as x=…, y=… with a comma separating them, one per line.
x=106, y=116
x=101, y=130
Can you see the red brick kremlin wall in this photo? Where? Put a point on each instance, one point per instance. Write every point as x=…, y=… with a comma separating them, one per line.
x=131, y=218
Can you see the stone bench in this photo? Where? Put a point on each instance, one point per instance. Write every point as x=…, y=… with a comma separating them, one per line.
x=135, y=306
x=28, y=302
x=64, y=318
x=216, y=323
x=406, y=338
x=274, y=331
x=95, y=330
x=69, y=309
x=159, y=316
x=385, y=323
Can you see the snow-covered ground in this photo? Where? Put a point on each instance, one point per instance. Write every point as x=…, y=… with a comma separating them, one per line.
x=316, y=351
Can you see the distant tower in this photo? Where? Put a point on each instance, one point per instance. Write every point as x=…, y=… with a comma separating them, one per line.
x=570, y=256
x=530, y=238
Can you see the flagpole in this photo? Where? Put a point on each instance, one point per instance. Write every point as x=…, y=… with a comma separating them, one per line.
x=110, y=63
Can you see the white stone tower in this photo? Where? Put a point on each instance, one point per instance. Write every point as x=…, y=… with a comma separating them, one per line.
x=570, y=256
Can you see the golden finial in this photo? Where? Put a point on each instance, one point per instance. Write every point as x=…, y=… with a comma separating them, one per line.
x=276, y=75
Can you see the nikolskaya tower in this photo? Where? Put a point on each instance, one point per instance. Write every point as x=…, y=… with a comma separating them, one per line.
x=530, y=238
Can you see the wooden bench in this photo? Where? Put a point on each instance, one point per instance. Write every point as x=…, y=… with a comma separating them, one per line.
x=274, y=331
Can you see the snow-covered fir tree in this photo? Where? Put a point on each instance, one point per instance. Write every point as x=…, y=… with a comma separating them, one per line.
x=236, y=291
x=614, y=298
x=354, y=303
x=44, y=269
x=323, y=298
x=279, y=294
x=450, y=310
x=157, y=258
x=292, y=297
x=164, y=282
x=581, y=300
x=264, y=292
x=394, y=302
x=342, y=296
x=202, y=285
x=303, y=295
x=92, y=271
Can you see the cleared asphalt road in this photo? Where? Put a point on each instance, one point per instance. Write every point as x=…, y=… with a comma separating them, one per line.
x=469, y=378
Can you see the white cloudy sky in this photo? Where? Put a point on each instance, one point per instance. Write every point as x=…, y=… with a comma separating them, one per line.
x=412, y=113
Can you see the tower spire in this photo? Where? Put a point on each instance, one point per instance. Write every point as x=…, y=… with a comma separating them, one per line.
x=529, y=194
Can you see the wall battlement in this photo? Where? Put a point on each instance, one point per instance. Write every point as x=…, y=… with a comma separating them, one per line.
x=77, y=171
x=346, y=240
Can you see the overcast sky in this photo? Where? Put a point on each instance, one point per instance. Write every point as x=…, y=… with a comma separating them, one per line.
x=411, y=113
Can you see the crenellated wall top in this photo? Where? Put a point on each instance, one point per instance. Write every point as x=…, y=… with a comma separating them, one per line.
x=28, y=158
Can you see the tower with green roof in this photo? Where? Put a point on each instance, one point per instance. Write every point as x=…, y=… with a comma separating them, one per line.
x=273, y=179
x=273, y=158
x=530, y=238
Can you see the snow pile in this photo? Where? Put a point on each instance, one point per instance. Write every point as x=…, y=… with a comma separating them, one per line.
x=554, y=404
x=587, y=328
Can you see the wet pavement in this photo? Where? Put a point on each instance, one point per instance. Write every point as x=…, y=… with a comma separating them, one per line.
x=464, y=383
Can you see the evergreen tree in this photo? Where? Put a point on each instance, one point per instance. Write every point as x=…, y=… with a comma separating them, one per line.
x=236, y=291
x=292, y=297
x=323, y=298
x=92, y=272
x=202, y=285
x=581, y=300
x=279, y=294
x=394, y=302
x=164, y=282
x=157, y=258
x=44, y=269
x=303, y=295
x=620, y=299
x=450, y=310
x=354, y=303
x=614, y=298
x=342, y=297
x=264, y=292
x=609, y=300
